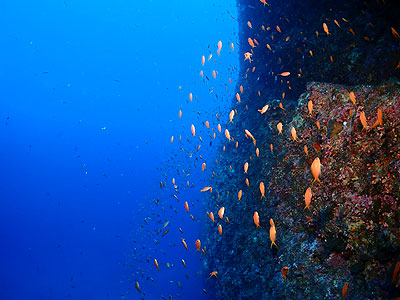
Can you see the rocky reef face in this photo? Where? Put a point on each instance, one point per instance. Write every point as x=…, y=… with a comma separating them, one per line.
x=349, y=235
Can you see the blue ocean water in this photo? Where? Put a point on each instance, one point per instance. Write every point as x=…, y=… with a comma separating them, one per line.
x=90, y=95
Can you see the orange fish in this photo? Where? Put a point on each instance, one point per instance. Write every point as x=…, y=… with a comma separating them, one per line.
x=203, y=166
x=285, y=74
x=264, y=2
x=193, y=130
x=207, y=188
x=219, y=127
x=172, y=139
x=211, y=215
x=262, y=189
x=318, y=126
x=307, y=198
x=221, y=212
x=256, y=219
x=156, y=264
x=227, y=134
x=310, y=107
x=248, y=133
x=271, y=147
x=247, y=56
x=255, y=42
x=137, y=286
x=326, y=29
x=184, y=244
x=272, y=233
x=241, y=89
x=251, y=43
x=232, y=46
x=184, y=263
x=203, y=60
x=209, y=57
x=214, y=74
x=352, y=98
x=240, y=194
x=191, y=97
x=237, y=144
x=337, y=23
x=249, y=24
x=396, y=271
x=213, y=273
x=352, y=31
x=285, y=272
x=187, y=206
x=269, y=47
x=277, y=28
x=219, y=45
x=198, y=245
x=316, y=169
x=293, y=132
x=180, y=114
x=220, y=229
x=279, y=127
x=201, y=73
x=238, y=97
x=395, y=34
x=306, y=150
x=363, y=120
x=281, y=105
x=247, y=182
x=246, y=167
x=344, y=290
x=257, y=152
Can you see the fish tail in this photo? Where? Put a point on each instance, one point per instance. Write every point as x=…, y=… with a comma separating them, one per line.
x=273, y=243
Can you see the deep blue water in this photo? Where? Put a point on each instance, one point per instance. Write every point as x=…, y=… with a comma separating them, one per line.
x=89, y=100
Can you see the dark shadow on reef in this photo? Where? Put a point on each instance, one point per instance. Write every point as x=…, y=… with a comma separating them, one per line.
x=351, y=232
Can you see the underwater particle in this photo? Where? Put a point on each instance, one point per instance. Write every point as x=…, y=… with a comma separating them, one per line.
x=396, y=271
x=256, y=219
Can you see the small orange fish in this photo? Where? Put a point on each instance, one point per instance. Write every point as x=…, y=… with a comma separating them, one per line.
x=180, y=114
x=352, y=97
x=307, y=198
x=344, y=290
x=247, y=56
x=213, y=273
x=248, y=133
x=293, y=132
x=271, y=147
x=232, y=46
x=186, y=206
x=184, y=263
x=249, y=24
x=279, y=127
x=277, y=28
x=207, y=188
x=247, y=182
x=241, y=89
x=156, y=264
x=221, y=212
x=201, y=73
x=193, y=130
x=262, y=189
x=219, y=45
x=203, y=60
x=209, y=57
x=227, y=134
x=352, y=31
x=256, y=219
x=285, y=272
x=395, y=34
x=219, y=127
x=396, y=271
x=285, y=74
x=220, y=229
x=191, y=97
x=172, y=139
x=257, y=152
x=211, y=215
x=316, y=169
x=198, y=245
x=272, y=233
x=269, y=47
x=326, y=28
x=137, y=286
x=318, y=125
x=207, y=124
x=363, y=120
x=238, y=97
x=240, y=193
x=246, y=167
x=251, y=43
x=184, y=244
x=214, y=74
x=306, y=150
x=310, y=107
x=337, y=23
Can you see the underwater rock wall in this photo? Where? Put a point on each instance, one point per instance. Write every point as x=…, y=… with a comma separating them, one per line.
x=350, y=233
